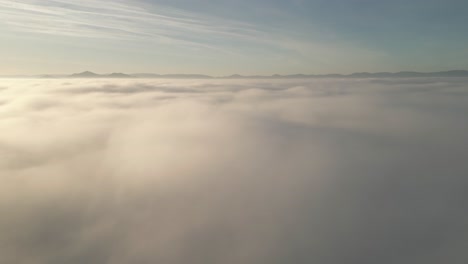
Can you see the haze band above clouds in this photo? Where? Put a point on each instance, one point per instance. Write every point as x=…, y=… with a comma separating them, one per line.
x=139, y=36
x=233, y=171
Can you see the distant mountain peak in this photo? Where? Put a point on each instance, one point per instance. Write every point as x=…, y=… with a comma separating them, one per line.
x=89, y=74
x=401, y=74
x=85, y=74
x=119, y=75
x=235, y=76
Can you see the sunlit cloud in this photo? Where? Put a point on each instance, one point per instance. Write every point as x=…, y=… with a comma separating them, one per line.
x=233, y=171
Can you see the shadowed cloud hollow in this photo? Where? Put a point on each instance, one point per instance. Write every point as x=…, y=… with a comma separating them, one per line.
x=233, y=171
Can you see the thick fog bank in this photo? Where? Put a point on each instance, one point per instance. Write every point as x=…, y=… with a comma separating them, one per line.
x=234, y=171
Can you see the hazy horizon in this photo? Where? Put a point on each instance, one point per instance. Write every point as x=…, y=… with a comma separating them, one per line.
x=367, y=168
x=136, y=74
x=224, y=37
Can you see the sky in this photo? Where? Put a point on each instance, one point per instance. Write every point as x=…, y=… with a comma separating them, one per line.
x=226, y=37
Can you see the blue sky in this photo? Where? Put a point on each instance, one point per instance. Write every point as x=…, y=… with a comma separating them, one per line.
x=225, y=37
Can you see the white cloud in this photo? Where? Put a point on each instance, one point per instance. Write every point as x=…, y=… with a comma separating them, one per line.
x=233, y=171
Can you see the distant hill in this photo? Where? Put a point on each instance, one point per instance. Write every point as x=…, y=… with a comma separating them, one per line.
x=402, y=74
x=119, y=75
x=85, y=74
x=172, y=76
x=88, y=74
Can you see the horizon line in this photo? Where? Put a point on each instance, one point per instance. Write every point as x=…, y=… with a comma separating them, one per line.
x=91, y=74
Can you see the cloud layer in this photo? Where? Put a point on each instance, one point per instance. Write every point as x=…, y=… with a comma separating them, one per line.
x=233, y=171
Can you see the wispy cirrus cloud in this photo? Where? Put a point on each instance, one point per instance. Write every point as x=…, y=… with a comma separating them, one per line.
x=163, y=24
x=163, y=31
x=122, y=20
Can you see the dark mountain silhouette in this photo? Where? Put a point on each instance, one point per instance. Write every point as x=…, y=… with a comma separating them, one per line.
x=88, y=74
x=85, y=74
x=172, y=76
x=455, y=73
x=118, y=75
x=402, y=74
